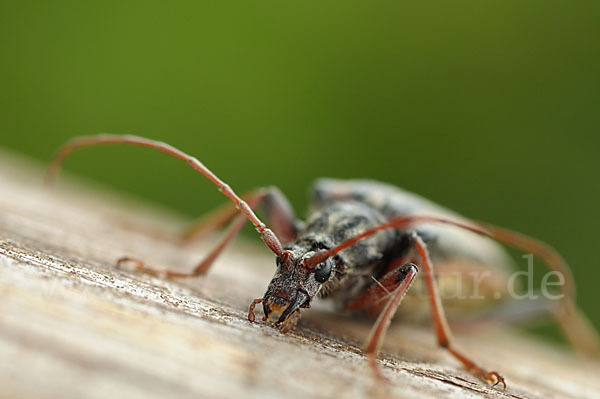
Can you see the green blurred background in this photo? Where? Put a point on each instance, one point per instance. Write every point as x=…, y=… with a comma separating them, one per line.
x=489, y=108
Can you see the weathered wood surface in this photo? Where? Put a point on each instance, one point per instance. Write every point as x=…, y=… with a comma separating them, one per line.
x=71, y=324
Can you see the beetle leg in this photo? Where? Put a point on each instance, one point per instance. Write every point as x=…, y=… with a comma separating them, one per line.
x=215, y=219
x=254, y=199
x=202, y=267
x=442, y=329
x=271, y=200
x=404, y=276
x=381, y=289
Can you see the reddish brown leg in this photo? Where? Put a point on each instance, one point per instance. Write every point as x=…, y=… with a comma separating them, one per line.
x=439, y=318
x=380, y=290
x=277, y=208
x=214, y=220
x=202, y=267
x=274, y=202
x=402, y=277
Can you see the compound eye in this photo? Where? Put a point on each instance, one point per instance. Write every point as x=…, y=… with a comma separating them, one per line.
x=322, y=272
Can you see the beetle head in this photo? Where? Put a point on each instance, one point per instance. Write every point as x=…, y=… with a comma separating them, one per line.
x=293, y=287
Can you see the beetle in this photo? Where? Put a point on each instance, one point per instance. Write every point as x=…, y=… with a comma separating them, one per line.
x=362, y=244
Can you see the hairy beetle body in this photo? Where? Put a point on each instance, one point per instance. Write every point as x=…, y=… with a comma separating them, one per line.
x=344, y=209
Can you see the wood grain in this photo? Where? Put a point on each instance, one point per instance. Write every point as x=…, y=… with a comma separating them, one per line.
x=71, y=324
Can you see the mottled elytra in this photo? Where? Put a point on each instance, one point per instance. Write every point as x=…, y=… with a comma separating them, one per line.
x=363, y=245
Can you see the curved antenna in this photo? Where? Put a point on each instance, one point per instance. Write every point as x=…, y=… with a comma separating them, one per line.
x=268, y=237
x=517, y=240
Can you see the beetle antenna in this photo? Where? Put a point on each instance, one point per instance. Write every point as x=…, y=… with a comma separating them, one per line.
x=517, y=240
x=268, y=237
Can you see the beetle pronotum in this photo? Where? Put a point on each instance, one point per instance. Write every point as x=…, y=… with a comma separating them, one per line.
x=361, y=244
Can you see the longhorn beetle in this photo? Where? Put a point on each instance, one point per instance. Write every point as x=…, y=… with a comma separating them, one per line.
x=360, y=245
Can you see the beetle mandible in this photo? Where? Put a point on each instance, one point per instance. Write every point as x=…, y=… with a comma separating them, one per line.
x=360, y=245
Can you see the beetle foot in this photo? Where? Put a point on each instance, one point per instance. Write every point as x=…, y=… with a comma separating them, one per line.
x=496, y=378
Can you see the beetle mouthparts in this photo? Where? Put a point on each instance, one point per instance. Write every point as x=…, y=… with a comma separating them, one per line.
x=279, y=310
x=299, y=300
x=274, y=307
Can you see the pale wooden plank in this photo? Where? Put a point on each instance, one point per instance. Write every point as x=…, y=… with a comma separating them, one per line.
x=71, y=324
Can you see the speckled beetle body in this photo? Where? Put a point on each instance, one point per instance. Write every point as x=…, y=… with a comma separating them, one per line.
x=341, y=210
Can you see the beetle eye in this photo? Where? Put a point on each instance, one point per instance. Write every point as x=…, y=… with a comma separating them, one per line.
x=322, y=272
